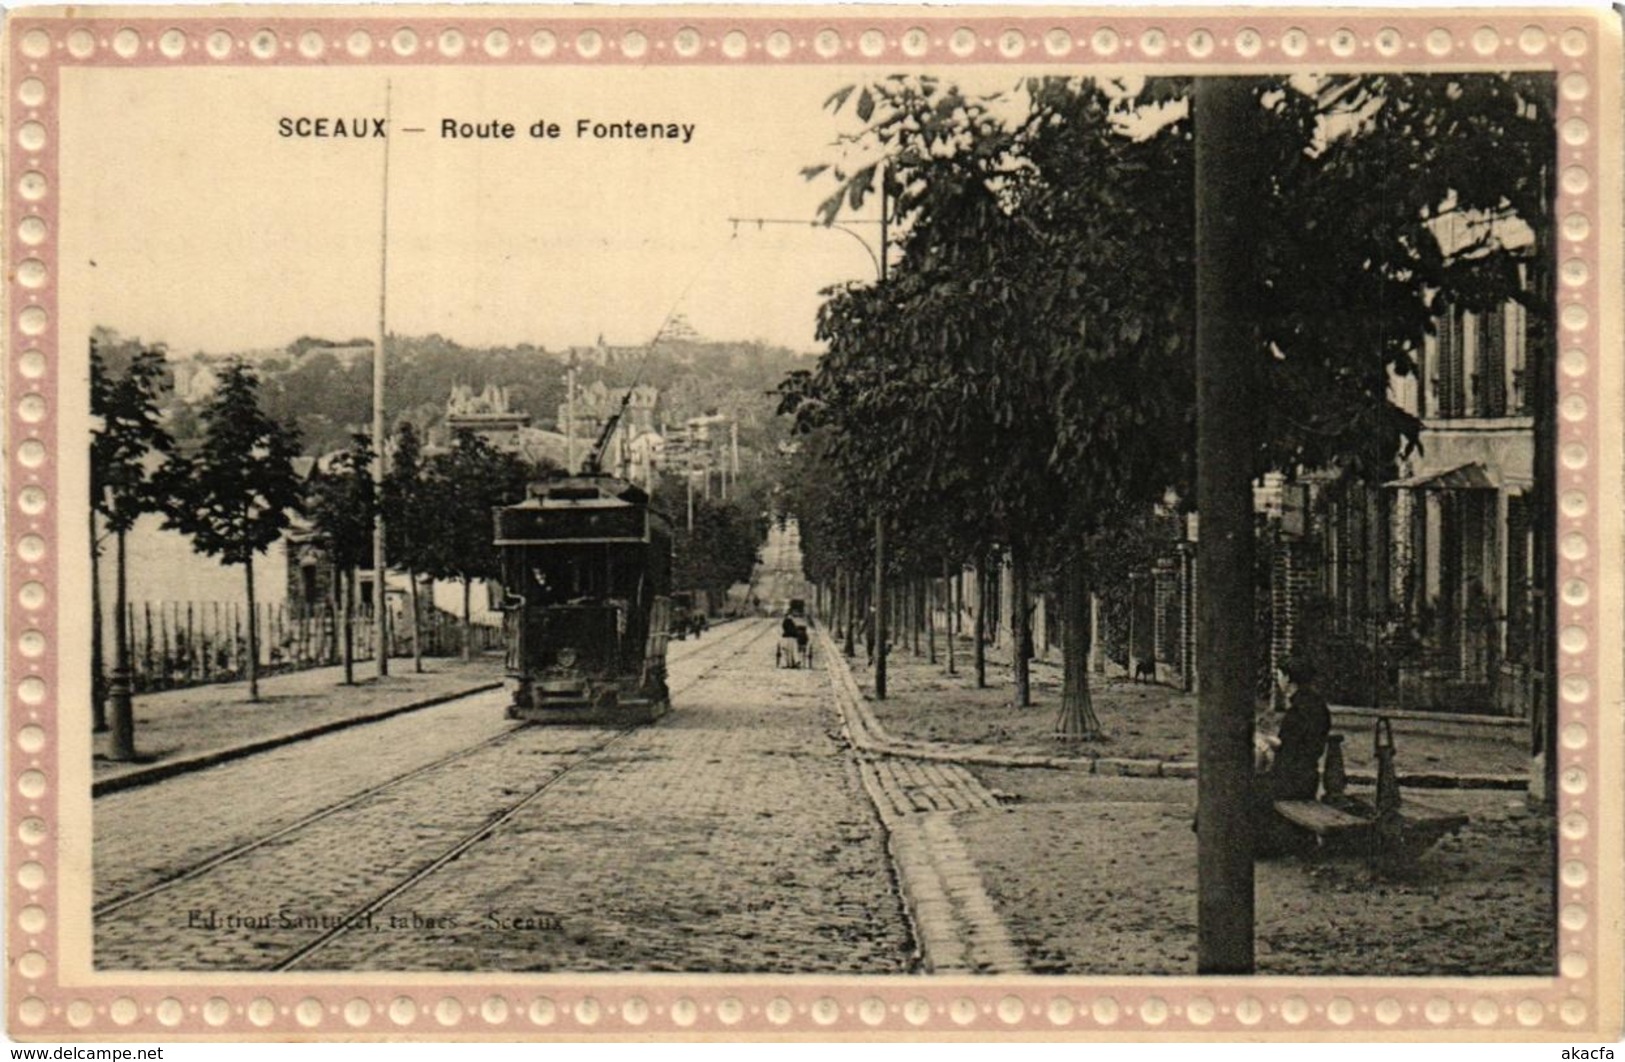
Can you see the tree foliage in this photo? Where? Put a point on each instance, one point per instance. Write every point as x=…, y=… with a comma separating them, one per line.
x=130, y=450
x=461, y=487
x=408, y=520
x=342, y=505
x=1024, y=376
x=721, y=548
x=240, y=486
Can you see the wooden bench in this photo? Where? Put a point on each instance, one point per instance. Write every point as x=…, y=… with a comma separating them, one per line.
x=1420, y=826
x=1322, y=820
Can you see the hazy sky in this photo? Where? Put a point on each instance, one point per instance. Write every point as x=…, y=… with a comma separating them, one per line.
x=210, y=231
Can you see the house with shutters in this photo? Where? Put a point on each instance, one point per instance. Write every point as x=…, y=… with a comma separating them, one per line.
x=1426, y=592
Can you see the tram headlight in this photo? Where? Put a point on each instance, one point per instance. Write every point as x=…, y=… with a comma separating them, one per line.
x=567, y=657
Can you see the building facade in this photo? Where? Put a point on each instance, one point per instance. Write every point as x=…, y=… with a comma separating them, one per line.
x=1422, y=592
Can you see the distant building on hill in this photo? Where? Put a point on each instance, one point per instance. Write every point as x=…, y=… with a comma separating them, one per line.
x=486, y=414
x=606, y=356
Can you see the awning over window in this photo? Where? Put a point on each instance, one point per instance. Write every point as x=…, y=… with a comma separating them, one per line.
x=1471, y=476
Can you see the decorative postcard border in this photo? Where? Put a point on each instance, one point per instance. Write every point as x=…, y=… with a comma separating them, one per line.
x=1581, y=48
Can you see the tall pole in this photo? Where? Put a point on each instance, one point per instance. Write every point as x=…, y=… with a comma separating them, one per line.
x=570, y=416
x=122, y=741
x=880, y=519
x=98, y=677
x=1226, y=346
x=1542, y=348
x=380, y=606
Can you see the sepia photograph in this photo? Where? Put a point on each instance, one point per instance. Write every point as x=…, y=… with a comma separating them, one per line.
x=945, y=506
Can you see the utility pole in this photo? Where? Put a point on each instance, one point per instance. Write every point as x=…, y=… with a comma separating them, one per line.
x=878, y=604
x=688, y=477
x=380, y=603
x=119, y=687
x=1544, y=383
x=1226, y=348
x=570, y=416
x=880, y=518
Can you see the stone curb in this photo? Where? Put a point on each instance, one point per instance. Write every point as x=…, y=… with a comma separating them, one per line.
x=869, y=735
x=158, y=772
x=955, y=927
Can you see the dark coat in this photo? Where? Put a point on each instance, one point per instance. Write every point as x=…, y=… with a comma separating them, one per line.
x=1296, y=773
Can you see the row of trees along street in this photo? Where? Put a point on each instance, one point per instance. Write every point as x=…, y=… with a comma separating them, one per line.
x=233, y=489
x=1023, y=382
x=237, y=493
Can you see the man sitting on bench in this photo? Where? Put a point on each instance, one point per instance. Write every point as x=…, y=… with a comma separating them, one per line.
x=1294, y=773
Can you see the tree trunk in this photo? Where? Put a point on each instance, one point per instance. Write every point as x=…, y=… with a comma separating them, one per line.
x=850, y=647
x=917, y=604
x=1020, y=629
x=468, y=622
x=98, y=678
x=951, y=612
x=1076, y=721
x=417, y=624
x=929, y=613
x=253, y=634
x=1096, y=636
x=978, y=622
x=347, y=611
x=880, y=605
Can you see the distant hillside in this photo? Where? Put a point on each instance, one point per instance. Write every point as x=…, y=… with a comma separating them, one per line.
x=324, y=387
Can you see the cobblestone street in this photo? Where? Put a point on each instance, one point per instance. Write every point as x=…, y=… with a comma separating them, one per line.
x=770, y=824
x=734, y=835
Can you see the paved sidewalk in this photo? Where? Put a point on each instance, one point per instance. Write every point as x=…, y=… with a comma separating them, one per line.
x=188, y=729
x=1073, y=871
x=1151, y=729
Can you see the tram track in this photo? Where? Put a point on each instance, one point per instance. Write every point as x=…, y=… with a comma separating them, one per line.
x=720, y=648
x=199, y=869
x=359, y=915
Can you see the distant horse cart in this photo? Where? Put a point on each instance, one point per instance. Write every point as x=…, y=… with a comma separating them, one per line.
x=795, y=648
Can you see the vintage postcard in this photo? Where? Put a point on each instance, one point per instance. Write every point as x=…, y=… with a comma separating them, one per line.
x=850, y=523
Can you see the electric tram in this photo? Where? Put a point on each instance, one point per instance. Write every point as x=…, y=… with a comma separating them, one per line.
x=586, y=582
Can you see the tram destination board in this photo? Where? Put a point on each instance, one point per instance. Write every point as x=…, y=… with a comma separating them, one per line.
x=618, y=524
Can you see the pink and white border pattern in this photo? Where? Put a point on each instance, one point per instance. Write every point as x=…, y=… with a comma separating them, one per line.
x=1580, y=48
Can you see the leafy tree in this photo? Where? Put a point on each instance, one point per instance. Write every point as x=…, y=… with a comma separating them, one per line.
x=342, y=505
x=463, y=486
x=241, y=487
x=407, y=521
x=1024, y=353
x=131, y=473
x=721, y=548
x=1030, y=354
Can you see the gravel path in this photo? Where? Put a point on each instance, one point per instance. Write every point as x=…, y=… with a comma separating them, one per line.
x=1098, y=876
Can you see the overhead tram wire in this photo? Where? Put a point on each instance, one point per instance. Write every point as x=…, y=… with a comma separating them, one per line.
x=878, y=260
x=838, y=226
